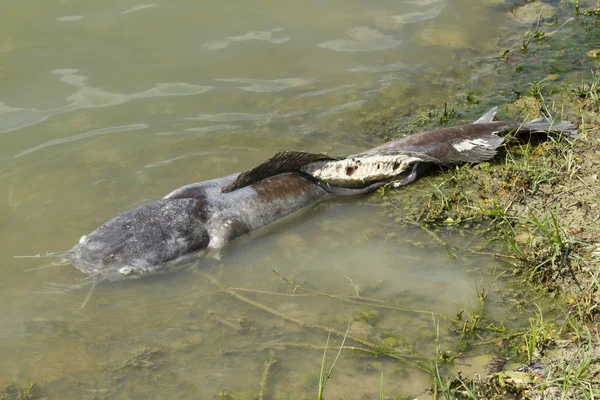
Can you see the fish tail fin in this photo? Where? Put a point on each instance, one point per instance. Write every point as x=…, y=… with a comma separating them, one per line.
x=565, y=128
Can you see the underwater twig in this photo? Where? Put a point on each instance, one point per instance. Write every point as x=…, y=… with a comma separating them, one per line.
x=315, y=347
x=325, y=329
x=359, y=300
x=560, y=27
x=141, y=358
x=284, y=345
x=439, y=241
x=237, y=289
x=215, y=318
x=435, y=237
x=493, y=254
x=494, y=341
x=265, y=378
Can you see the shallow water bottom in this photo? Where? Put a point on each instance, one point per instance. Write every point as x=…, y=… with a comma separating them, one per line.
x=180, y=335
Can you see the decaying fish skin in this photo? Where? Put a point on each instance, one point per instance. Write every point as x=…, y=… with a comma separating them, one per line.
x=379, y=164
x=398, y=160
x=361, y=169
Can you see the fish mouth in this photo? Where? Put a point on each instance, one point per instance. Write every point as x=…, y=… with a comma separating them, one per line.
x=103, y=273
x=96, y=261
x=92, y=269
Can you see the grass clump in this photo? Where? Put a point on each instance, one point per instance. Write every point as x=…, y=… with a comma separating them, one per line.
x=530, y=206
x=368, y=316
x=16, y=392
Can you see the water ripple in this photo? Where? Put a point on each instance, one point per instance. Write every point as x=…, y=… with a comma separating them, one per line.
x=139, y=8
x=324, y=91
x=399, y=66
x=6, y=109
x=212, y=128
x=340, y=108
x=97, y=132
x=362, y=39
x=70, y=18
x=228, y=117
x=268, y=86
x=424, y=2
x=177, y=158
x=88, y=97
x=419, y=16
x=264, y=36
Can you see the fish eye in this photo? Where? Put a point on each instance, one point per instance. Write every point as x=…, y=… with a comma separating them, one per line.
x=126, y=271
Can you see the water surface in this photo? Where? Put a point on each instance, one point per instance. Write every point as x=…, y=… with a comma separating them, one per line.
x=106, y=106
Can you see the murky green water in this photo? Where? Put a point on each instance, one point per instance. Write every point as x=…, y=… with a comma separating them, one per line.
x=104, y=106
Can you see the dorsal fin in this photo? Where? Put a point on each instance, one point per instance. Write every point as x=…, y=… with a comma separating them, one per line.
x=487, y=117
x=281, y=162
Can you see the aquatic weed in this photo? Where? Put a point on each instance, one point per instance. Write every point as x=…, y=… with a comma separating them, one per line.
x=538, y=336
x=439, y=384
x=538, y=35
x=449, y=115
x=325, y=373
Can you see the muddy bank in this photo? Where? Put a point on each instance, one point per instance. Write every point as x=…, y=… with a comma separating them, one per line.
x=536, y=206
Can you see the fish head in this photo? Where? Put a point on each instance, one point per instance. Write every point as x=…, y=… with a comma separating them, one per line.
x=143, y=241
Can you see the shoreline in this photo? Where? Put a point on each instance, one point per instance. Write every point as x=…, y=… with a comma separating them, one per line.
x=536, y=206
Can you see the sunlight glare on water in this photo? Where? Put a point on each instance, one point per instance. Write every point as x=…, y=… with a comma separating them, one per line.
x=105, y=106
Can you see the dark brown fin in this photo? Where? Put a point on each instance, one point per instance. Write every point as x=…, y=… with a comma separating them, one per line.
x=281, y=162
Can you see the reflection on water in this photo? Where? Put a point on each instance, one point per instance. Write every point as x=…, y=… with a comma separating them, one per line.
x=362, y=39
x=97, y=132
x=91, y=97
x=255, y=35
x=107, y=106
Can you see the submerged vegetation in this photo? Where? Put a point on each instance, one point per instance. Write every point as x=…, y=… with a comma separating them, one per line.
x=515, y=207
x=15, y=392
x=535, y=207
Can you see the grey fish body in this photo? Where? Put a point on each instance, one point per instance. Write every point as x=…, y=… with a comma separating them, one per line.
x=194, y=218
x=234, y=214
